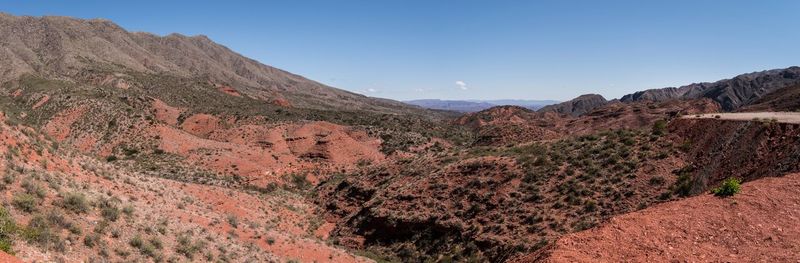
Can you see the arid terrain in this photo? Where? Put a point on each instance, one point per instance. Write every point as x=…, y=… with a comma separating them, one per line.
x=758, y=225
x=125, y=146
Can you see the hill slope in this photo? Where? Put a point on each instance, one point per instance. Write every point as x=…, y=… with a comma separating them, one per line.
x=784, y=99
x=65, y=48
x=750, y=227
x=577, y=106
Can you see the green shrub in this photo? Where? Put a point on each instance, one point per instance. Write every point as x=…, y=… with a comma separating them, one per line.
x=75, y=202
x=660, y=127
x=8, y=229
x=187, y=248
x=33, y=188
x=91, y=240
x=657, y=180
x=40, y=231
x=9, y=178
x=300, y=182
x=108, y=208
x=233, y=221
x=590, y=206
x=685, y=183
x=128, y=210
x=25, y=202
x=110, y=213
x=156, y=243
x=729, y=187
x=146, y=248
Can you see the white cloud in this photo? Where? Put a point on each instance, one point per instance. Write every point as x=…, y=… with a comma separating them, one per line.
x=461, y=84
x=371, y=90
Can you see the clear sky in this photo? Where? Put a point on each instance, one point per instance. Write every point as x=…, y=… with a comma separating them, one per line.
x=477, y=49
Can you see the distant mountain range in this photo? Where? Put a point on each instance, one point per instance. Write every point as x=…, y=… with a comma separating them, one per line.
x=477, y=105
x=731, y=94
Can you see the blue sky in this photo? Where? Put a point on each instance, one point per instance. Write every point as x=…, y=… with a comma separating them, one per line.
x=477, y=49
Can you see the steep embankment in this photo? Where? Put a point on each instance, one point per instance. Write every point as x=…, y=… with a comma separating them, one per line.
x=757, y=225
x=720, y=148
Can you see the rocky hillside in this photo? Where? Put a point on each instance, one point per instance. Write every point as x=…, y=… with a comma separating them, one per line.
x=63, y=206
x=509, y=124
x=730, y=93
x=784, y=99
x=577, y=106
x=490, y=204
x=65, y=48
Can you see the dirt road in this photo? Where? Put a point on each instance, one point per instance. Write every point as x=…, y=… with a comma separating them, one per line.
x=784, y=117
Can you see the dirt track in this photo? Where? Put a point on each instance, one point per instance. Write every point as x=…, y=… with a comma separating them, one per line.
x=783, y=117
x=757, y=225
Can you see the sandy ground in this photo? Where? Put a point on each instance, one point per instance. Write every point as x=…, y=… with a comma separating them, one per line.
x=757, y=225
x=783, y=117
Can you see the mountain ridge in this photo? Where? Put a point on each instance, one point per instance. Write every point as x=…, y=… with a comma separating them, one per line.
x=61, y=47
x=731, y=93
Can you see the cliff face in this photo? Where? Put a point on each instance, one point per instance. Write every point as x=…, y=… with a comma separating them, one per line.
x=577, y=106
x=731, y=94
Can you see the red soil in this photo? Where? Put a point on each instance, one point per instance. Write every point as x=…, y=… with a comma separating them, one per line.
x=228, y=90
x=61, y=125
x=114, y=80
x=201, y=124
x=282, y=102
x=41, y=102
x=166, y=113
x=266, y=153
x=6, y=258
x=757, y=225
